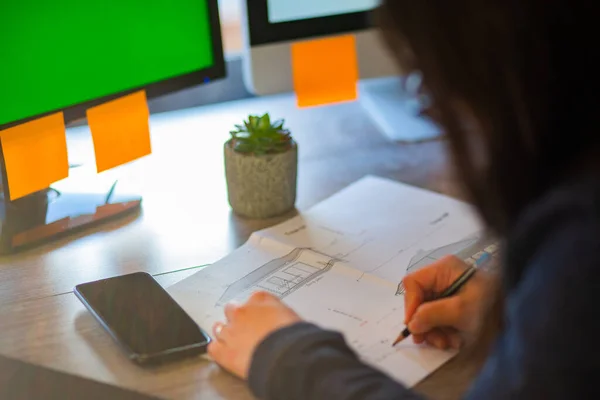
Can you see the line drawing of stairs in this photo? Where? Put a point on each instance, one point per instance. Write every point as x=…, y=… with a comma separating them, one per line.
x=281, y=276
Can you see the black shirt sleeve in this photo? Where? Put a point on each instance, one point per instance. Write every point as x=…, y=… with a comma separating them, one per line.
x=547, y=350
x=303, y=362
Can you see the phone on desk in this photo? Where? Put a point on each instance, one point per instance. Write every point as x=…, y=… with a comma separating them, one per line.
x=143, y=318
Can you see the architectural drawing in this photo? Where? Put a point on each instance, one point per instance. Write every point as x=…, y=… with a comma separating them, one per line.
x=341, y=272
x=281, y=276
x=474, y=249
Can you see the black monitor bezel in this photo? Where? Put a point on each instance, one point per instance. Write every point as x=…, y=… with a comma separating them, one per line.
x=261, y=31
x=216, y=71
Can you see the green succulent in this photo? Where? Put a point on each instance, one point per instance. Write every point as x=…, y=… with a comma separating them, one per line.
x=260, y=136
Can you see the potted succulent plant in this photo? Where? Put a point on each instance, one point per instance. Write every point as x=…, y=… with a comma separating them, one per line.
x=261, y=162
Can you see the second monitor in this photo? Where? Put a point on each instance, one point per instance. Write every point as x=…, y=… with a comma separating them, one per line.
x=272, y=26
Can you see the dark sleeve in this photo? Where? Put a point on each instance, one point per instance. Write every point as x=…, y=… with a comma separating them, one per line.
x=549, y=346
x=306, y=362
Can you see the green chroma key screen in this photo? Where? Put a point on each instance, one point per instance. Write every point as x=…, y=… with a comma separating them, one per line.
x=58, y=53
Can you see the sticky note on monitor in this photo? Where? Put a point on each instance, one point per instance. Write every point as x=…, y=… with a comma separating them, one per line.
x=35, y=155
x=120, y=130
x=325, y=70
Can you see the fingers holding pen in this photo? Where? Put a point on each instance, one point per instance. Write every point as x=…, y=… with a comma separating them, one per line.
x=428, y=281
x=440, y=313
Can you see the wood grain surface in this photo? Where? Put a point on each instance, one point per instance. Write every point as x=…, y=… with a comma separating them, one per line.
x=186, y=222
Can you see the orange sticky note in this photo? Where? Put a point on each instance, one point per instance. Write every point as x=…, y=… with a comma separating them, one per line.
x=120, y=130
x=325, y=70
x=35, y=154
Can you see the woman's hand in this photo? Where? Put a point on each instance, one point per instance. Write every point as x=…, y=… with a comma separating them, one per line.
x=246, y=327
x=447, y=322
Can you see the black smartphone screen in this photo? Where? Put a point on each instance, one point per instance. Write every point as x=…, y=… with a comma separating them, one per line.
x=141, y=315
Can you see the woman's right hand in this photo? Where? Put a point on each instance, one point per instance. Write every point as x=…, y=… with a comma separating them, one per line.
x=450, y=322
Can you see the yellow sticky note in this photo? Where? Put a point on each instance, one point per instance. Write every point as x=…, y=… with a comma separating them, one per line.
x=120, y=130
x=325, y=70
x=35, y=155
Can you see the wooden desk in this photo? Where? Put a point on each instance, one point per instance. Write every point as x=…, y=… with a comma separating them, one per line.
x=186, y=222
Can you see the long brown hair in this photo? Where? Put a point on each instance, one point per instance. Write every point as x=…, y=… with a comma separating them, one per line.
x=511, y=83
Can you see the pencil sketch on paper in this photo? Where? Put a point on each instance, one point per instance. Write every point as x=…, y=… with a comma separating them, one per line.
x=374, y=347
x=470, y=249
x=281, y=276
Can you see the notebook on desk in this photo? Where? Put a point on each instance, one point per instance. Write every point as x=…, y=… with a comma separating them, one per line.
x=340, y=263
x=23, y=381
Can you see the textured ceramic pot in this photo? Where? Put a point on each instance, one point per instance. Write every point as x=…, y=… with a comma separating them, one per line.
x=261, y=186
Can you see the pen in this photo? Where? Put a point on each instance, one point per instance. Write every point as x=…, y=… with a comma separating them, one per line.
x=450, y=291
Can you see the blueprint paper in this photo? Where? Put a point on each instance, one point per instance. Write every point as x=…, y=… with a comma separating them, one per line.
x=340, y=265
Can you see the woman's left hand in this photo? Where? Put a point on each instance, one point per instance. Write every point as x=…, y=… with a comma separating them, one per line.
x=246, y=327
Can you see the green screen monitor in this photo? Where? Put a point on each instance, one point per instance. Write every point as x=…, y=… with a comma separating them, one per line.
x=70, y=55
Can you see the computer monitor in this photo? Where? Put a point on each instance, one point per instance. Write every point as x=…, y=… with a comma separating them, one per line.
x=388, y=94
x=71, y=55
x=271, y=26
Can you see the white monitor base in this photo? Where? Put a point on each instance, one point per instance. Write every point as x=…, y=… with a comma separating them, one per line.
x=395, y=111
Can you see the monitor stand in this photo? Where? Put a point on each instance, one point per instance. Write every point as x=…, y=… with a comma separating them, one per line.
x=69, y=206
x=395, y=110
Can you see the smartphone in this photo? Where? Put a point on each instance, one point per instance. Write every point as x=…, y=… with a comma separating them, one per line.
x=144, y=320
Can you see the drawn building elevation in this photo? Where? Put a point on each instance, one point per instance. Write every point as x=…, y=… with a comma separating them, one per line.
x=281, y=276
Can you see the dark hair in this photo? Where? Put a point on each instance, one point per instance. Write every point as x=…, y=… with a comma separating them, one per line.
x=511, y=85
